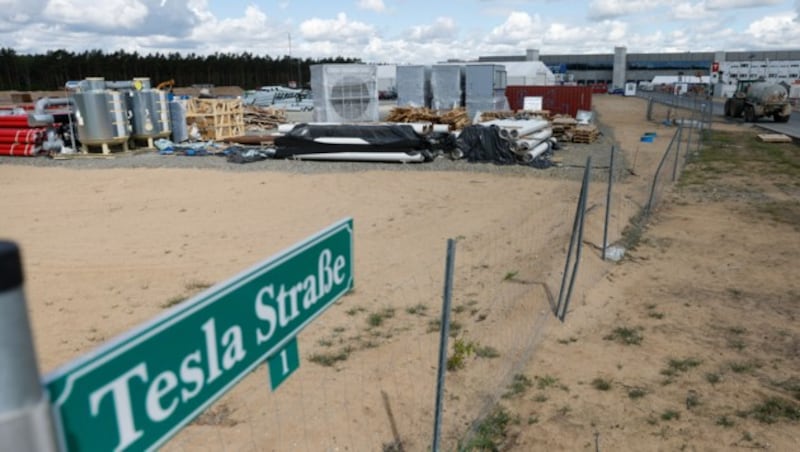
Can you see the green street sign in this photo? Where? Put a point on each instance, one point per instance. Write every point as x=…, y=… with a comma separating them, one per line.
x=283, y=364
x=137, y=391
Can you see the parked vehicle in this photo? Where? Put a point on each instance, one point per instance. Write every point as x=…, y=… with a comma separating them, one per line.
x=756, y=99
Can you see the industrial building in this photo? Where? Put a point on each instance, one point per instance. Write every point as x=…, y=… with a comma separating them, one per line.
x=615, y=69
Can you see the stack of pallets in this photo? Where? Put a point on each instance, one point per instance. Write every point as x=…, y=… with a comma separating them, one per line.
x=216, y=119
x=586, y=134
x=564, y=127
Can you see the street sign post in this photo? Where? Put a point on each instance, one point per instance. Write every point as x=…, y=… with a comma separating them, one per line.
x=140, y=389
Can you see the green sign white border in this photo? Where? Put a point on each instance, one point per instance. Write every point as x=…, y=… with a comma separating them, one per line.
x=125, y=341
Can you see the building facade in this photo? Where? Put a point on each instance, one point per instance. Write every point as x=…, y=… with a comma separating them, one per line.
x=615, y=69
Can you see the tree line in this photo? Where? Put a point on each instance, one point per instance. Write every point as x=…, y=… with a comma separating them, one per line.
x=51, y=70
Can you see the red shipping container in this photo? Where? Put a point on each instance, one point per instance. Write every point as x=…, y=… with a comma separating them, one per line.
x=557, y=99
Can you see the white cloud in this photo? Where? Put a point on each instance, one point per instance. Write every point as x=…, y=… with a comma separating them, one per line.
x=607, y=9
x=691, y=11
x=736, y=4
x=373, y=5
x=338, y=29
x=519, y=27
x=442, y=28
x=105, y=15
x=775, y=31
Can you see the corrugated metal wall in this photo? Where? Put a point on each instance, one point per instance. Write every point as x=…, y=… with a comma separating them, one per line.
x=558, y=99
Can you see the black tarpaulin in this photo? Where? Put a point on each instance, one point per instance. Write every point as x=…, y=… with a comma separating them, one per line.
x=379, y=138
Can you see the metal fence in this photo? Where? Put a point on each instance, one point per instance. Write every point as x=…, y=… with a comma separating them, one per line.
x=448, y=367
x=634, y=194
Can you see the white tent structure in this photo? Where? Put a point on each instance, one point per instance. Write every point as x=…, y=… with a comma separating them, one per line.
x=528, y=73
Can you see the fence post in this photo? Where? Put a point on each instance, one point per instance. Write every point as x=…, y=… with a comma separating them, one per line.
x=579, y=247
x=678, y=151
x=649, y=204
x=608, y=201
x=444, y=333
x=25, y=420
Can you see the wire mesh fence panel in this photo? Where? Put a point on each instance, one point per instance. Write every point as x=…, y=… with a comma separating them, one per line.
x=367, y=374
x=504, y=294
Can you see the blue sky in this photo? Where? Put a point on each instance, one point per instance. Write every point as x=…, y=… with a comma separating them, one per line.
x=400, y=31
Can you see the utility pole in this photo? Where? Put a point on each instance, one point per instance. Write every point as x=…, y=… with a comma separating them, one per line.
x=289, y=72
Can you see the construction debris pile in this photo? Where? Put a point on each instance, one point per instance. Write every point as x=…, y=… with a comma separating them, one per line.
x=216, y=119
x=259, y=119
x=456, y=118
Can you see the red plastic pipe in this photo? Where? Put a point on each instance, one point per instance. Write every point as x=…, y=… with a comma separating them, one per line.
x=16, y=121
x=21, y=135
x=19, y=149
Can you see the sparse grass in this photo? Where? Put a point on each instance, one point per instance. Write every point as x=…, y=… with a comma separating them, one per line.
x=491, y=432
x=741, y=367
x=510, y=275
x=459, y=309
x=218, y=415
x=173, y=301
x=519, y=385
x=568, y=340
x=418, y=309
x=540, y=398
x=625, y=336
x=354, y=310
x=329, y=359
x=725, y=421
x=632, y=234
x=545, y=382
x=787, y=211
x=197, y=286
x=792, y=386
x=339, y=329
x=737, y=343
x=655, y=315
x=325, y=342
x=601, y=384
x=678, y=366
x=461, y=351
x=692, y=400
x=376, y=319
x=713, y=378
x=434, y=325
x=486, y=352
x=669, y=415
x=774, y=409
x=637, y=393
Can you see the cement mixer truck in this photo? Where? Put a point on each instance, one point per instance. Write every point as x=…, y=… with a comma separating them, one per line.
x=755, y=99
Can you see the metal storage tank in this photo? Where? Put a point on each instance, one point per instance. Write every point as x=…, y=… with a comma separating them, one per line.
x=177, y=116
x=447, y=86
x=414, y=86
x=101, y=115
x=149, y=111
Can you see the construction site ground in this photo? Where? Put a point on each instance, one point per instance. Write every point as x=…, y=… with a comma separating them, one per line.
x=689, y=343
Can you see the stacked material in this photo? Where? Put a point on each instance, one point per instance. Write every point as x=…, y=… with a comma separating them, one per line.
x=456, y=118
x=261, y=118
x=355, y=142
x=21, y=135
x=586, y=134
x=511, y=140
x=216, y=119
x=564, y=127
x=509, y=114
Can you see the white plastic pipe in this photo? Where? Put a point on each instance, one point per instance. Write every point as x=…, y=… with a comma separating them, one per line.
x=540, y=149
x=401, y=157
x=440, y=128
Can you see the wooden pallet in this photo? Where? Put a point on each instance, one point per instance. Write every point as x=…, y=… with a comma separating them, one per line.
x=216, y=119
x=105, y=148
x=585, y=134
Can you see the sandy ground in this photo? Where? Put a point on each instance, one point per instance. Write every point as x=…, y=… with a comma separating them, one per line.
x=106, y=250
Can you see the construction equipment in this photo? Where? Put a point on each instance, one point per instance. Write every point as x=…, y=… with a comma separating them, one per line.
x=168, y=84
x=755, y=99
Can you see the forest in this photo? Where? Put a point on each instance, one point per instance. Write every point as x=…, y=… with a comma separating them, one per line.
x=51, y=70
